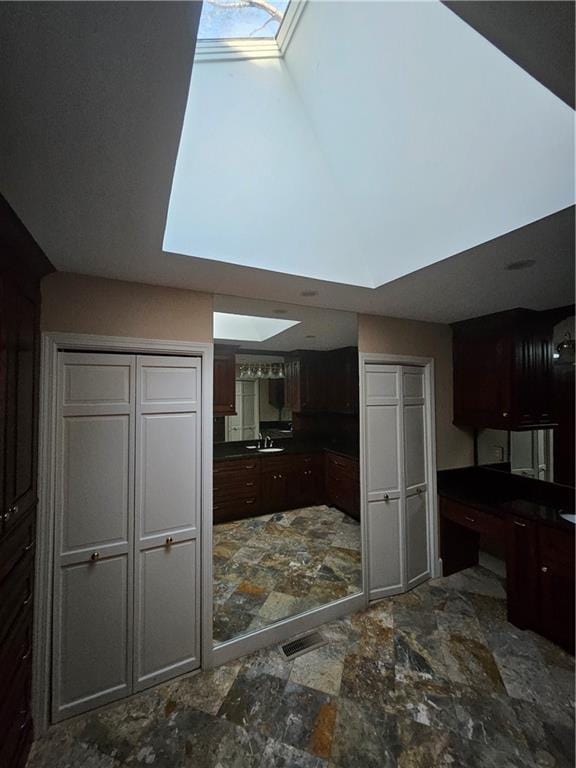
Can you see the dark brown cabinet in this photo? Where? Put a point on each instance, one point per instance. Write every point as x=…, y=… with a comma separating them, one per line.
x=556, y=586
x=22, y=266
x=224, y=381
x=267, y=484
x=323, y=382
x=503, y=371
x=521, y=571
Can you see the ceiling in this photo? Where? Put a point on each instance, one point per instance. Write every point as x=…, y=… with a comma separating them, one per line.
x=93, y=98
x=317, y=328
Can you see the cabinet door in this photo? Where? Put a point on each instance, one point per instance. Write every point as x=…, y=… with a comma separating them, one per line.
x=168, y=485
x=276, y=491
x=92, y=641
x=556, y=579
x=521, y=569
x=384, y=450
x=224, y=383
x=21, y=387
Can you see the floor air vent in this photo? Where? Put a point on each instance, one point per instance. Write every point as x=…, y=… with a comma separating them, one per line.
x=303, y=645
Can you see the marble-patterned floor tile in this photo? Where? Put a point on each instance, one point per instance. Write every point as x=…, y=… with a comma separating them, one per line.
x=367, y=681
x=363, y=737
x=306, y=718
x=470, y=662
x=230, y=623
x=203, y=691
x=253, y=702
x=278, y=606
x=477, y=581
x=278, y=755
x=320, y=669
x=269, y=661
x=549, y=733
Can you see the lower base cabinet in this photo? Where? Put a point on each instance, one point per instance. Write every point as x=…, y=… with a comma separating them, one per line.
x=556, y=586
x=267, y=484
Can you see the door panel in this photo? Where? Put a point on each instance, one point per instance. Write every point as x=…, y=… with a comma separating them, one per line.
x=414, y=446
x=94, y=506
x=95, y=476
x=383, y=471
x=385, y=548
x=382, y=384
x=417, y=560
x=91, y=635
x=168, y=479
x=168, y=611
x=167, y=508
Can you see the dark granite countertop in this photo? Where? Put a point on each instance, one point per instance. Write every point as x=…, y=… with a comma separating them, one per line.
x=502, y=494
x=292, y=445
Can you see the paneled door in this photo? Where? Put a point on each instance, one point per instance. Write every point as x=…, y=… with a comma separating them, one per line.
x=396, y=445
x=92, y=626
x=384, y=491
x=415, y=479
x=167, y=503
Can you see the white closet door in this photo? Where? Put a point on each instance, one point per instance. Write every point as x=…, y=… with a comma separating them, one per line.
x=415, y=480
x=92, y=628
x=384, y=479
x=167, y=505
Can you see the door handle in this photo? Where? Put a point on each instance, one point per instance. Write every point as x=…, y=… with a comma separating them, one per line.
x=94, y=556
x=386, y=497
x=470, y=519
x=169, y=541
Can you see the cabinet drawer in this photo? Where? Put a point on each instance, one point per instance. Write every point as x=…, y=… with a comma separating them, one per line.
x=343, y=465
x=236, y=469
x=226, y=490
x=16, y=594
x=16, y=701
x=239, y=509
x=17, y=544
x=469, y=517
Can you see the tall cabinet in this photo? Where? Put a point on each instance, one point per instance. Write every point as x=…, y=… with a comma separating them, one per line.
x=128, y=489
x=397, y=482
x=22, y=265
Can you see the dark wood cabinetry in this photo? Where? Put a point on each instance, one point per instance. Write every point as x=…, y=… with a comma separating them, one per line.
x=556, y=586
x=503, y=371
x=224, y=381
x=539, y=565
x=323, y=382
x=22, y=266
x=266, y=484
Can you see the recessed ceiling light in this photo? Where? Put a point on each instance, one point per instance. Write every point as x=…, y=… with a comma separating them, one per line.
x=309, y=293
x=522, y=264
x=280, y=311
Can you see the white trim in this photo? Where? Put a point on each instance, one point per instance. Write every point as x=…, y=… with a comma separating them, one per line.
x=52, y=343
x=367, y=358
x=241, y=49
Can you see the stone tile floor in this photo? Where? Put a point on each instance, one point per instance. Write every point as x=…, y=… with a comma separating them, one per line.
x=271, y=567
x=432, y=678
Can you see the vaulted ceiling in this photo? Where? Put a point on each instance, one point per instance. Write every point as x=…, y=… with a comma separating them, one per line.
x=94, y=96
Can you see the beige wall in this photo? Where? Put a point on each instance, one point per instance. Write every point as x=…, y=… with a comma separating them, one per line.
x=83, y=304
x=454, y=446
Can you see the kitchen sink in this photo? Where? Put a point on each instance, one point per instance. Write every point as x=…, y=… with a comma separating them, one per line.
x=271, y=450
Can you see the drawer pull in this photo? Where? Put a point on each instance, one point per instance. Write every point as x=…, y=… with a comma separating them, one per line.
x=419, y=491
x=26, y=655
x=215, y=506
x=169, y=541
x=249, y=485
x=27, y=600
x=28, y=547
x=520, y=525
x=470, y=519
x=544, y=569
x=215, y=489
x=94, y=556
x=249, y=501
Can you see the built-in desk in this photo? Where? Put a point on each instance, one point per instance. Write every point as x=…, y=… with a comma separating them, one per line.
x=539, y=543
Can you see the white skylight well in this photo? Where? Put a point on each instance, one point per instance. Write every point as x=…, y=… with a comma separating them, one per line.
x=246, y=29
x=248, y=327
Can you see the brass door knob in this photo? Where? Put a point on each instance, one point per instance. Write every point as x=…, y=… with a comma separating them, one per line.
x=94, y=556
x=169, y=541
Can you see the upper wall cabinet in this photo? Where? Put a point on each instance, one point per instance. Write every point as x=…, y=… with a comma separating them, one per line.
x=503, y=371
x=323, y=382
x=224, y=381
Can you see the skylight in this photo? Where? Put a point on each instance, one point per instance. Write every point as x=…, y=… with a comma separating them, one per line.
x=241, y=19
x=248, y=327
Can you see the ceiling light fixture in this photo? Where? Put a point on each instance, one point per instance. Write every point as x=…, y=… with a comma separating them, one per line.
x=522, y=264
